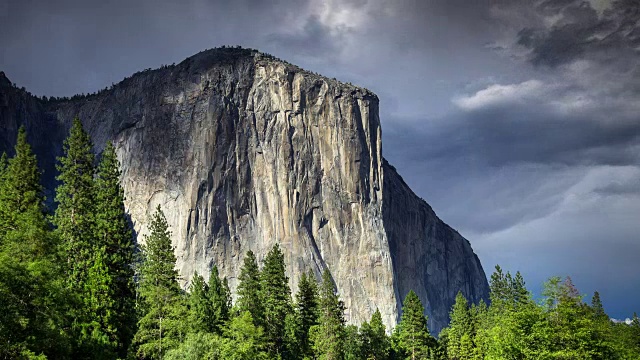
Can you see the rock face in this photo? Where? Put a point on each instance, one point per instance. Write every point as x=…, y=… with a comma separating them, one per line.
x=243, y=151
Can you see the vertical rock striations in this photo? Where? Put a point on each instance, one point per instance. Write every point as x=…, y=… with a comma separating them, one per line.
x=243, y=151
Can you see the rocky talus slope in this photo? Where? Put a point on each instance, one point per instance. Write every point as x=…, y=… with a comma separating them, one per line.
x=242, y=150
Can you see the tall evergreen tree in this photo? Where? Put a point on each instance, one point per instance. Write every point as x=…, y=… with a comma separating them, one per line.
x=329, y=335
x=248, y=290
x=200, y=318
x=413, y=335
x=93, y=316
x=159, y=329
x=218, y=300
x=307, y=309
x=519, y=293
x=276, y=297
x=98, y=337
x=499, y=287
x=74, y=216
x=243, y=340
x=30, y=298
x=459, y=327
x=353, y=347
x=598, y=308
x=114, y=237
x=20, y=191
x=376, y=344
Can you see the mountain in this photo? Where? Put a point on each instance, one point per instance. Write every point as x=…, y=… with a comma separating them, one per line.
x=243, y=150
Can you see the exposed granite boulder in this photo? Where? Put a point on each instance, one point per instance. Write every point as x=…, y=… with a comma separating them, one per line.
x=242, y=151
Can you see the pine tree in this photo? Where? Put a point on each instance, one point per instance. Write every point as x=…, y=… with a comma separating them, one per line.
x=598, y=308
x=31, y=301
x=376, y=344
x=307, y=310
x=218, y=300
x=329, y=335
x=293, y=349
x=459, y=327
x=248, y=290
x=21, y=191
x=75, y=196
x=480, y=316
x=98, y=332
x=519, y=293
x=114, y=236
x=276, y=297
x=353, y=347
x=159, y=329
x=413, y=334
x=200, y=318
x=94, y=314
x=499, y=288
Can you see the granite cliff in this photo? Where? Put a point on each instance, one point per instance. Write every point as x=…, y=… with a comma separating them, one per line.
x=242, y=151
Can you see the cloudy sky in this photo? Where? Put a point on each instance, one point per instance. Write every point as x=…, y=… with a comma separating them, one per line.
x=517, y=120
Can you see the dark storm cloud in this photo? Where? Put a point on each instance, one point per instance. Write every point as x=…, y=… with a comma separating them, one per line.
x=510, y=136
x=567, y=30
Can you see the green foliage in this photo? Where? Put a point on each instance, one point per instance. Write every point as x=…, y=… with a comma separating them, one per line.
x=413, y=338
x=32, y=313
x=248, y=290
x=200, y=315
x=3, y=163
x=218, y=297
x=375, y=342
x=598, y=308
x=76, y=198
x=461, y=331
x=293, y=336
x=197, y=345
x=307, y=310
x=160, y=327
x=89, y=316
x=243, y=340
x=328, y=336
x=275, y=296
x=514, y=327
x=20, y=190
x=114, y=239
x=353, y=344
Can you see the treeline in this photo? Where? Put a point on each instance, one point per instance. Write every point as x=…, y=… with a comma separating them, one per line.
x=514, y=326
x=74, y=285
